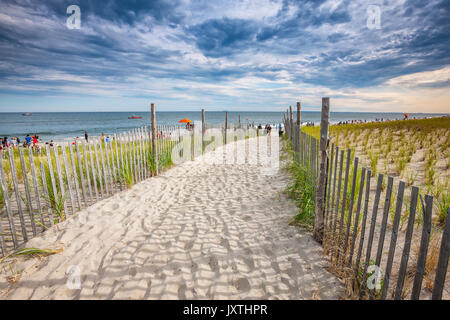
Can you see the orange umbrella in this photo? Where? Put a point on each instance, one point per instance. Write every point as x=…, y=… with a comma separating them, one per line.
x=185, y=120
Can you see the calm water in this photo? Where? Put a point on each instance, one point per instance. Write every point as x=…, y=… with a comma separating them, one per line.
x=63, y=125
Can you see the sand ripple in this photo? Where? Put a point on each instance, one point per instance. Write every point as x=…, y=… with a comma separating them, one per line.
x=195, y=232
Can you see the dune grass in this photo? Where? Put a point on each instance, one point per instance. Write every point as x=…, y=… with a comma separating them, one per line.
x=416, y=151
x=300, y=189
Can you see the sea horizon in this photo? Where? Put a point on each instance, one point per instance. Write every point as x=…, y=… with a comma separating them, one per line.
x=67, y=125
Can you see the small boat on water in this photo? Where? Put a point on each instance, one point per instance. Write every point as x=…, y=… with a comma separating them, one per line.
x=26, y=114
x=135, y=117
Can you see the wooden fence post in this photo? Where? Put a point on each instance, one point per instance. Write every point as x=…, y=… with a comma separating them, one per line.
x=291, y=123
x=12, y=164
x=203, y=130
x=424, y=242
x=298, y=128
x=441, y=270
x=29, y=202
x=9, y=212
x=226, y=128
x=407, y=245
x=154, y=133
x=320, y=191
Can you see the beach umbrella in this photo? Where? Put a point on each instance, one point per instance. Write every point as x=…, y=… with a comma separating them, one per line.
x=184, y=121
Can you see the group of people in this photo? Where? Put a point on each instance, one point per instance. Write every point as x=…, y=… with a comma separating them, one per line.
x=14, y=142
x=405, y=117
x=267, y=128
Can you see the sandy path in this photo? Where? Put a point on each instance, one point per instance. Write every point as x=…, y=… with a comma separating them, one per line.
x=195, y=232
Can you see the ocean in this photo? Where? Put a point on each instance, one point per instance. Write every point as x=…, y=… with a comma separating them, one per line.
x=61, y=126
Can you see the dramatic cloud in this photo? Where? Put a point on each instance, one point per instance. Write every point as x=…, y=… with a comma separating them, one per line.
x=189, y=54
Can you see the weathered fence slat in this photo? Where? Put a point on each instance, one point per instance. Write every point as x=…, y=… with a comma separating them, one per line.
x=94, y=172
x=154, y=142
x=69, y=186
x=135, y=155
x=344, y=197
x=387, y=205
x=61, y=180
x=116, y=163
x=80, y=168
x=88, y=174
x=139, y=142
x=327, y=202
x=27, y=190
x=350, y=207
x=332, y=216
x=441, y=270
x=75, y=176
x=112, y=145
x=421, y=260
x=35, y=186
x=108, y=167
x=341, y=167
x=390, y=260
x=46, y=194
x=124, y=163
x=357, y=215
x=130, y=157
x=104, y=171
x=363, y=223
x=52, y=175
x=141, y=154
x=119, y=164
x=17, y=193
x=322, y=176
x=5, y=192
x=407, y=245
x=125, y=147
x=371, y=232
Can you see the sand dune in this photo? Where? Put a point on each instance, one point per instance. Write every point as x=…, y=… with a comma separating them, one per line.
x=196, y=231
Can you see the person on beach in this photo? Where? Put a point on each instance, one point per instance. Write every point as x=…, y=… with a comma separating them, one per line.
x=269, y=129
x=86, y=136
x=28, y=140
x=107, y=139
x=35, y=142
x=102, y=137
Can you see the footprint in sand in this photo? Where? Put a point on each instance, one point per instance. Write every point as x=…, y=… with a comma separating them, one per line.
x=242, y=284
x=182, y=292
x=188, y=245
x=213, y=263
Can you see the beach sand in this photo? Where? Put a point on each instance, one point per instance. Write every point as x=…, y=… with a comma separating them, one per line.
x=196, y=231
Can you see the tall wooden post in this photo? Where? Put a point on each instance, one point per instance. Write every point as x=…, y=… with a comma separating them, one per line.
x=298, y=128
x=203, y=130
x=226, y=127
x=239, y=121
x=291, y=122
x=321, y=181
x=154, y=136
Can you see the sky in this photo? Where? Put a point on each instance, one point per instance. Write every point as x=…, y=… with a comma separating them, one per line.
x=255, y=55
